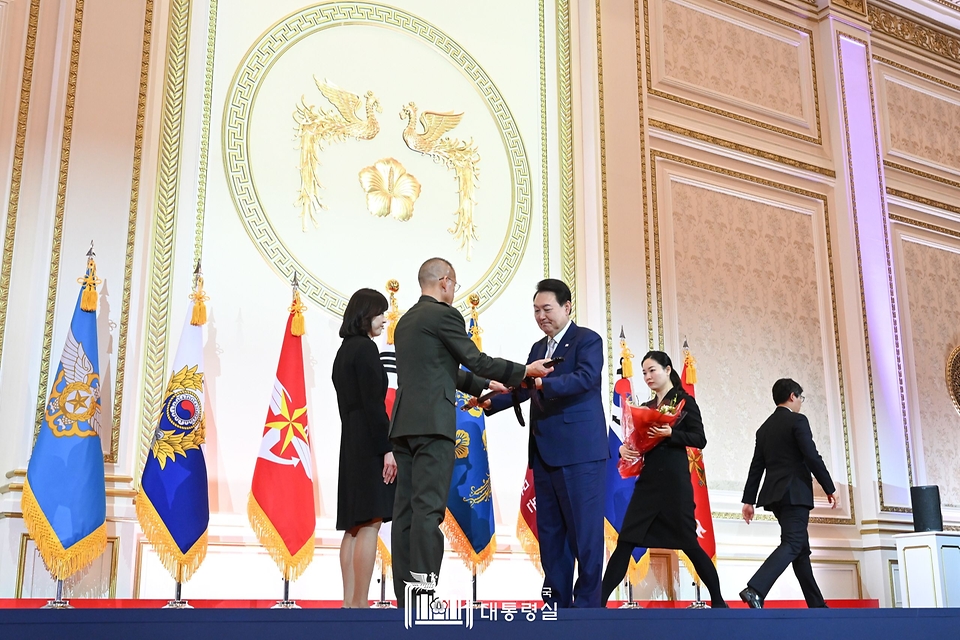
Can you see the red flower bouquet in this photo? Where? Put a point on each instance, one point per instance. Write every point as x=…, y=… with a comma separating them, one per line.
x=637, y=422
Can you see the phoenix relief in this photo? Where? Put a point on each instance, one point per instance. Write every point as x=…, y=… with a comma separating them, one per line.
x=316, y=128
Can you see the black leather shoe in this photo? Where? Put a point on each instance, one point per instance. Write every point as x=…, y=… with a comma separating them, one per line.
x=752, y=598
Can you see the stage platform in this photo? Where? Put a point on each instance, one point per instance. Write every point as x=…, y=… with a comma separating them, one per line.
x=610, y=624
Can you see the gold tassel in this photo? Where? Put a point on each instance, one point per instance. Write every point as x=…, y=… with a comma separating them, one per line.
x=638, y=570
x=291, y=565
x=529, y=542
x=475, y=330
x=689, y=367
x=61, y=563
x=199, y=316
x=297, y=325
x=384, y=559
x=689, y=565
x=626, y=357
x=461, y=544
x=181, y=565
x=393, y=313
x=88, y=297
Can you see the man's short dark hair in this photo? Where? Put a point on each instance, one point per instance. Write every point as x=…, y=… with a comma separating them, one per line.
x=782, y=389
x=557, y=287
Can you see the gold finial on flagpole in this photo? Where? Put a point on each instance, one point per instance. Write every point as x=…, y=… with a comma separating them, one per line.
x=689, y=364
x=199, y=297
x=475, y=330
x=393, y=312
x=626, y=356
x=297, y=325
x=88, y=297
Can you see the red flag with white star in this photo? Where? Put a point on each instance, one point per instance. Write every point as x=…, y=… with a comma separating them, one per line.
x=281, y=507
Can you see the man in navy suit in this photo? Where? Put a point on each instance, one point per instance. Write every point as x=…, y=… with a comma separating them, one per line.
x=568, y=450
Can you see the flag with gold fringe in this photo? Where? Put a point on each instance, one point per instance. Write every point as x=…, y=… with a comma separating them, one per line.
x=281, y=507
x=64, y=499
x=698, y=476
x=469, y=523
x=388, y=358
x=619, y=489
x=527, y=532
x=172, y=502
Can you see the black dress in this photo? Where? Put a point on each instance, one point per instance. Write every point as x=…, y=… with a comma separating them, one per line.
x=661, y=511
x=361, y=385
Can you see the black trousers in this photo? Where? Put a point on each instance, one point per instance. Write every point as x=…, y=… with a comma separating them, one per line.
x=424, y=469
x=620, y=561
x=794, y=549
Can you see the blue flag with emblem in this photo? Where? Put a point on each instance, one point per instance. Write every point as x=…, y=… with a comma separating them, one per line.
x=64, y=499
x=469, y=523
x=172, y=502
x=619, y=489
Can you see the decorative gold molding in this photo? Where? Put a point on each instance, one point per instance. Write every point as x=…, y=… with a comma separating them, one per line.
x=164, y=222
x=544, y=159
x=611, y=368
x=655, y=154
x=916, y=72
x=889, y=261
x=858, y=6
x=644, y=192
x=131, y=234
x=54, y=280
x=949, y=4
x=921, y=174
x=759, y=153
x=114, y=542
x=818, y=140
x=568, y=246
x=936, y=204
x=913, y=33
x=952, y=374
x=16, y=175
x=205, y=132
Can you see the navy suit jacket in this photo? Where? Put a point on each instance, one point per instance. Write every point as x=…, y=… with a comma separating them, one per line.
x=568, y=426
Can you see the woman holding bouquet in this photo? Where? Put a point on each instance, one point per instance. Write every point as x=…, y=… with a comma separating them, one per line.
x=660, y=513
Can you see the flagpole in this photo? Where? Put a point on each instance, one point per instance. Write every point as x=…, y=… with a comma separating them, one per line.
x=630, y=603
x=698, y=603
x=474, y=603
x=59, y=603
x=177, y=603
x=286, y=603
x=383, y=603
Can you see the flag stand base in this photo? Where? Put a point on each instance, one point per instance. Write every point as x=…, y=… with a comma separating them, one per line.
x=286, y=603
x=630, y=603
x=59, y=603
x=698, y=603
x=177, y=603
x=383, y=603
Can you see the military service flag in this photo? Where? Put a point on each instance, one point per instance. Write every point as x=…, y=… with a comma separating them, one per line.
x=64, y=499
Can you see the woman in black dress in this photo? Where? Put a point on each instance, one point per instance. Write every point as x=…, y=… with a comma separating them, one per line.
x=660, y=513
x=367, y=468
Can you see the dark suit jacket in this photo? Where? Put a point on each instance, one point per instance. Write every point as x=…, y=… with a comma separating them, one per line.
x=432, y=343
x=567, y=424
x=786, y=451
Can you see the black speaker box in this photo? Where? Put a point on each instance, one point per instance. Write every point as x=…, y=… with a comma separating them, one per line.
x=926, y=508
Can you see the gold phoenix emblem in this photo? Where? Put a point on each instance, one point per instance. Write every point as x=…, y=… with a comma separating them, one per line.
x=461, y=157
x=390, y=189
x=317, y=128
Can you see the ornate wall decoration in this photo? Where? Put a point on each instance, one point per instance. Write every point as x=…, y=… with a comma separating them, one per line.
x=13, y=204
x=239, y=123
x=932, y=277
x=913, y=33
x=568, y=247
x=461, y=157
x=391, y=191
x=860, y=6
x=923, y=125
x=953, y=377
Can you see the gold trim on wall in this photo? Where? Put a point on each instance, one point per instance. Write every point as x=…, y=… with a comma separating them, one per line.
x=131, y=234
x=54, y=279
x=818, y=140
x=22, y=565
x=568, y=246
x=643, y=170
x=655, y=154
x=16, y=175
x=858, y=6
x=913, y=33
x=915, y=72
x=726, y=144
x=921, y=174
x=164, y=223
x=544, y=159
x=886, y=239
x=928, y=202
x=205, y=132
x=611, y=368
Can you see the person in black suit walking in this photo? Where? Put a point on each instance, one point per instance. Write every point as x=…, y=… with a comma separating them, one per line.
x=786, y=452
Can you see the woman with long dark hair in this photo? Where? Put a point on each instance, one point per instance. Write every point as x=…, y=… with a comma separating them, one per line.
x=367, y=469
x=661, y=511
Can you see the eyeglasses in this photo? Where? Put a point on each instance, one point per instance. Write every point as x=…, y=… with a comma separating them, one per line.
x=802, y=398
x=456, y=285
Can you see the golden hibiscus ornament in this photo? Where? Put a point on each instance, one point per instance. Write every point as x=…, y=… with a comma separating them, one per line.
x=390, y=189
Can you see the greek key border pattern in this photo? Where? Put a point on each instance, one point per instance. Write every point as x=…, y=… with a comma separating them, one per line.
x=863, y=300
x=164, y=225
x=16, y=177
x=818, y=140
x=242, y=92
x=568, y=239
x=643, y=169
x=833, y=293
x=47, y=346
x=759, y=153
x=205, y=132
x=113, y=456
